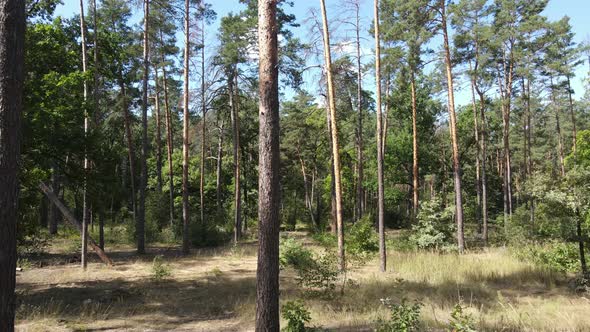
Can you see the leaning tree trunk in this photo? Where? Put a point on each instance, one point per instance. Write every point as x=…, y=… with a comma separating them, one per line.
x=12, y=39
x=185, y=147
x=379, y=134
x=267, y=272
x=453, y=123
x=334, y=134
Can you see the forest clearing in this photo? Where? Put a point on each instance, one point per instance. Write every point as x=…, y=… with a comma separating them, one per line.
x=214, y=290
x=294, y=166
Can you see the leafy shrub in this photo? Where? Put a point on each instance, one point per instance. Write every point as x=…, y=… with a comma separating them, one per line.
x=558, y=256
x=404, y=317
x=33, y=244
x=461, y=321
x=362, y=238
x=209, y=235
x=296, y=315
x=326, y=239
x=293, y=254
x=434, y=227
x=160, y=270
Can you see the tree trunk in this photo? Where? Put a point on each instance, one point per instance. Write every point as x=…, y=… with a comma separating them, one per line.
x=140, y=221
x=12, y=38
x=379, y=134
x=203, y=123
x=53, y=211
x=484, y=188
x=572, y=114
x=130, y=148
x=359, y=102
x=267, y=273
x=185, y=147
x=101, y=231
x=235, y=119
x=72, y=219
x=478, y=158
x=334, y=134
x=453, y=123
x=581, y=243
x=558, y=130
x=158, y=132
x=219, y=169
x=169, y=142
x=415, y=175
x=85, y=208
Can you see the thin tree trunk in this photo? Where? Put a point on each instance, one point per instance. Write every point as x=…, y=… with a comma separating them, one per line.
x=203, y=123
x=572, y=114
x=415, y=175
x=158, y=132
x=140, y=221
x=581, y=243
x=101, y=231
x=53, y=211
x=379, y=134
x=169, y=142
x=269, y=202
x=85, y=209
x=359, y=102
x=235, y=119
x=558, y=130
x=453, y=123
x=218, y=169
x=12, y=38
x=484, y=189
x=334, y=134
x=185, y=147
x=478, y=158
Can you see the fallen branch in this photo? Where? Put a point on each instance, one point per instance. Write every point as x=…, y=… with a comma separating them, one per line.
x=70, y=217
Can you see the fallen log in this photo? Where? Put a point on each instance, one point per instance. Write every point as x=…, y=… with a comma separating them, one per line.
x=70, y=217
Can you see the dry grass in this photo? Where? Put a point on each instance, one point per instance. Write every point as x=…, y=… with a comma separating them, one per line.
x=214, y=290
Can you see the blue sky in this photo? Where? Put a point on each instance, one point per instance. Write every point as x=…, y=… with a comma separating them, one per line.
x=577, y=10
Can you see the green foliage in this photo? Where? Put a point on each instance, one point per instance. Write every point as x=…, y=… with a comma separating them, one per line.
x=404, y=317
x=293, y=254
x=296, y=315
x=461, y=321
x=555, y=255
x=326, y=239
x=160, y=270
x=361, y=240
x=434, y=227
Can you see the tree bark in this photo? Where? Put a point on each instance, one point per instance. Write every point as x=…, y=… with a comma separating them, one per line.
x=219, y=163
x=379, y=134
x=12, y=39
x=53, y=211
x=235, y=119
x=267, y=273
x=203, y=123
x=169, y=142
x=185, y=147
x=158, y=132
x=140, y=221
x=415, y=170
x=453, y=123
x=476, y=132
x=572, y=114
x=85, y=208
x=334, y=134
x=359, y=102
x=558, y=130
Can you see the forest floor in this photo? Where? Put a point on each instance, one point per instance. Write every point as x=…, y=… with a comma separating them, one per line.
x=214, y=290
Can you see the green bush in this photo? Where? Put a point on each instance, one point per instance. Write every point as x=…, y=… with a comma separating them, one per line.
x=293, y=254
x=160, y=270
x=435, y=227
x=461, y=321
x=325, y=239
x=296, y=315
x=362, y=238
x=558, y=256
x=404, y=317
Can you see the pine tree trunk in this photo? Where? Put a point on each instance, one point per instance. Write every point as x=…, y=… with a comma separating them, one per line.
x=85, y=208
x=558, y=130
x=158, y=132
x=218, y=170
x=130, y=147
x=203, y=124
x=484, y=188
x=334, y=134
x=53, y=211
x=169, y=141
x=572, y=114
x=12, y=37
x=101, y=231
x=359, y=106
x=267, y=273
x=185, y=147
x=478, y=159
x=235, y=119
x=453, y=123
x=140, y=221
x=379, y=134
x=415, y=175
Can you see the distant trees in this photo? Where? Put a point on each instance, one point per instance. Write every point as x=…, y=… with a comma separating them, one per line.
x=12, y=41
